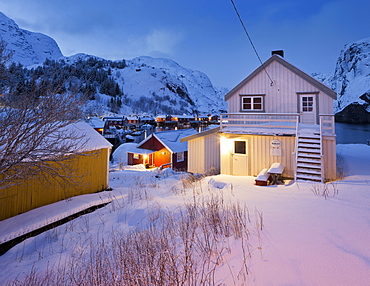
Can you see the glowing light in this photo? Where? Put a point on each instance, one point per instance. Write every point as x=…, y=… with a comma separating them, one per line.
x=226, y=145
x=145, y=157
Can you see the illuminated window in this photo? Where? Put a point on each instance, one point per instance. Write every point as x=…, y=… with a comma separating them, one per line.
x=240, y=147
x=136, y=156
x=180, y=156
x=252, y=103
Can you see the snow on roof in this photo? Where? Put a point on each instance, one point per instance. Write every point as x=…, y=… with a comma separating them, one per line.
x=183, y=116
x=209, y=130
x=95, y=141
x=82, y=136
x=135, y=150
x=266, y=130
x=96, y=122
x=132, y=117
x=258, y=131
x=171, y=139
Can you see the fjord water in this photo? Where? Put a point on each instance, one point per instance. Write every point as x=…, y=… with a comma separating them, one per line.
x=352, y=133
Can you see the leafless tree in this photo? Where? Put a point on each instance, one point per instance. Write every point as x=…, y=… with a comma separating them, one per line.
x=34, y=133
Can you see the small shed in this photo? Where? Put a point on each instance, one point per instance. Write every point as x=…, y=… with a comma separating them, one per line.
x=90, y=174
x=204, y=151
x=162, y=149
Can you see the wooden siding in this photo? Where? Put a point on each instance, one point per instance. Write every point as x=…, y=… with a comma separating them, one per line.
x=259, y=156
x=163, y=156
x=182, y=165
x=212, y=148
x=91, y=174
x=330, y=155
x=204, y=154
x=195, y=155
x=281, y=96
x=151, y=144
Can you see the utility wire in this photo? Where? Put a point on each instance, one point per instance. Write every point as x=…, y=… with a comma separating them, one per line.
x=250, y=40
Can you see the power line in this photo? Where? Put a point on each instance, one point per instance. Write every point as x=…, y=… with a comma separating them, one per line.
x=250, y=40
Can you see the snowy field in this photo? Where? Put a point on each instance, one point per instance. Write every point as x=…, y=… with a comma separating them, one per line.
x=292, y=234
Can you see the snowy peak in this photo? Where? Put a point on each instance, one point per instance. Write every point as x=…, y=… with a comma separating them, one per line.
x=179, y=88
x=152, y=85
x=351, y=82
x=351, y=78
x=28, y=48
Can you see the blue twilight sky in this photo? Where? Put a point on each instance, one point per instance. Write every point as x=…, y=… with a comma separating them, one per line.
x=205, y=35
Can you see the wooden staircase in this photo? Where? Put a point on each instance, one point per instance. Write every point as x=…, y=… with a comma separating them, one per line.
x=308, y=157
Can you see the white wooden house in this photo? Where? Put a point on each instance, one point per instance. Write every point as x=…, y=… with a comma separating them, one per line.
x=278, y=114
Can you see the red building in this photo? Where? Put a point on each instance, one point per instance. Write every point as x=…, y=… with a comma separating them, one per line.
x=162, y=149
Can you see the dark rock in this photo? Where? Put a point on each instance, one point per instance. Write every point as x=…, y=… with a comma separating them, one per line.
x=354, y=113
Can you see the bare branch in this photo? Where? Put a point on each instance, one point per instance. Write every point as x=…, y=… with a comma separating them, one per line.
x=35, y=138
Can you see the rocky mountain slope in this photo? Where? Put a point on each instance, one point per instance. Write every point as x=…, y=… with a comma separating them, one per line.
x=28, y=48
x=351, y=81
x=146, y=84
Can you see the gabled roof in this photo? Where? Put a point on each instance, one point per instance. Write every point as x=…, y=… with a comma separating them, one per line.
x=95, y=140
x=320, y=86
x=171, y=139
x=96, y=122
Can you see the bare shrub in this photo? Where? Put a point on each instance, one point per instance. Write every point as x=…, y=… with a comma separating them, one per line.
x=342, y=169
x=186, y=246
x=325, y=190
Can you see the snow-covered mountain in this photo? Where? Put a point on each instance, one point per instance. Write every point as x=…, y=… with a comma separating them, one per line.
x=351, y=81
x=28, y=48
x=148, y=84
x=179, y=87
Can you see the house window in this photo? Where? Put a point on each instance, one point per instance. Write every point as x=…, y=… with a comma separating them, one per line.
x=136, y=156
x=240, y=147
x=180, y=156
x=307, y=103
x=252, y=103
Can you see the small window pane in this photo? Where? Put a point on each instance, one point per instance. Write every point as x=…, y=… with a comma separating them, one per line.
x=180, y=156
x=251, y=103
x=240, y=147
x=257, y=106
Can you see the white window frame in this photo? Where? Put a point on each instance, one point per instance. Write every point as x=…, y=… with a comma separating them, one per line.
x=180, y=156
x=252, y=97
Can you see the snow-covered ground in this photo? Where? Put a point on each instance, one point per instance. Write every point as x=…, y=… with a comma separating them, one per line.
x=312, y=234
